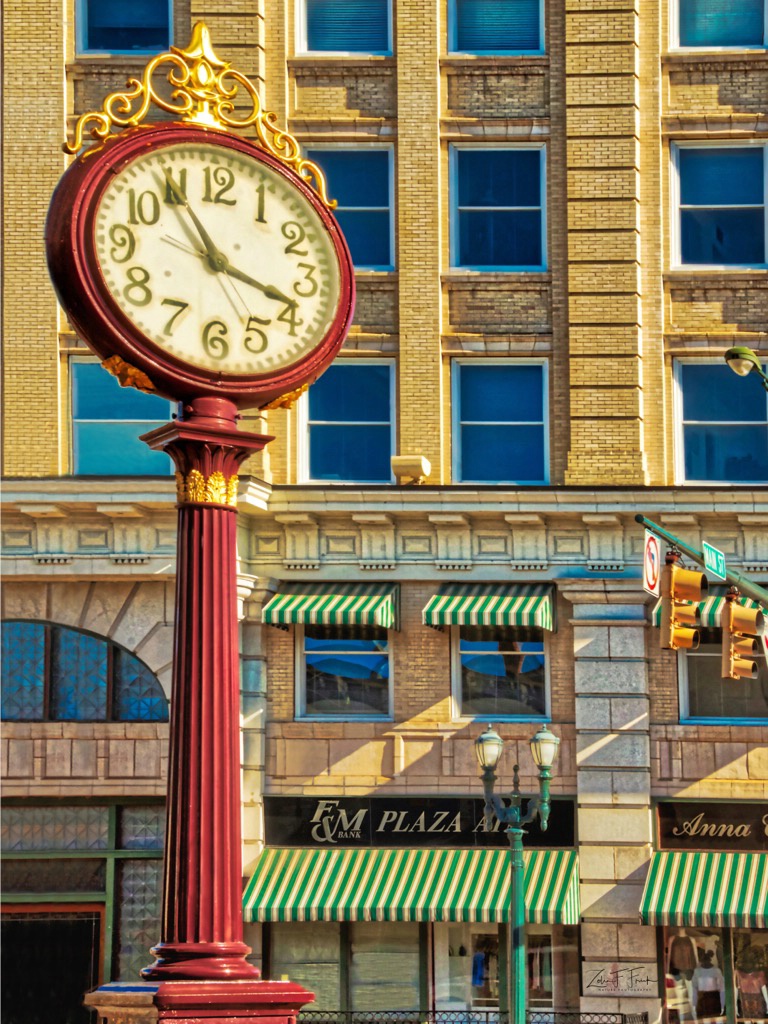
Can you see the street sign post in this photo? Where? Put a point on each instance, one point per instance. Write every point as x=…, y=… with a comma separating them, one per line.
x=714, y=560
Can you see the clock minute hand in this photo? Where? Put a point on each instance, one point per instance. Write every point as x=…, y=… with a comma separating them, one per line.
x=269, y=290
x=216, y=259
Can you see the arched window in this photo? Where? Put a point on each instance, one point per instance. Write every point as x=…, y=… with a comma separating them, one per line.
x=56, y=673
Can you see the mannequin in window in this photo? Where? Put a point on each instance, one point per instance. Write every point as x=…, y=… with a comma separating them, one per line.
x=752, y=982
x=708, y=988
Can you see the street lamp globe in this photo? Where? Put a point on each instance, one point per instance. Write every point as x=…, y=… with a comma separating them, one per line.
x=742, y=360
x=488, y=748
x=544, y=747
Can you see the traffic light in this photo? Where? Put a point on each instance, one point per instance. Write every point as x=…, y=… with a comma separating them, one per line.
x=741, y=629
x=681, y=592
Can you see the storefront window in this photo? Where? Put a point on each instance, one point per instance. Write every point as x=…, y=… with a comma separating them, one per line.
x=703, y=964
x=750, y=961
x=309, y=953
x=384, y=966
x=470, y=961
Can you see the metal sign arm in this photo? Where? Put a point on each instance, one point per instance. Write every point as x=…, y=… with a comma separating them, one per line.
x=737, y=579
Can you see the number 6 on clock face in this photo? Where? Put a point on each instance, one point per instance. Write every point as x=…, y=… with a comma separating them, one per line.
x=216, y=258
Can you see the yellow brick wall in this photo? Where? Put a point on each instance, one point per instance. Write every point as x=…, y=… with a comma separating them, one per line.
x=33, y=128
x=607, y=100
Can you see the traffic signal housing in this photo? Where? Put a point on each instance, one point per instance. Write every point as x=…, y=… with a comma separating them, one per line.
x=742, y=628
x=681, y=592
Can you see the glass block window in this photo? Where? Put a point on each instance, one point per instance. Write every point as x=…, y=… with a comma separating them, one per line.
x=706, y=696
x=56, y=673
x=722, y=23
x=106, y=423
x=56, y=855
x=344, y=672
x=349, y=435
x=54, y=828
x=496, y=26
x=722, y=425
x=140, y=893
x=142, y=828
x=123, y=26
x=500, y=672
x=360, y=180
x=346, y=26
x=500, y=430
x=721, y=205
x=497, y=208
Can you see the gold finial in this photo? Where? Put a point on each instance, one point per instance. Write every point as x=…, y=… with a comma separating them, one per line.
x=203, y=90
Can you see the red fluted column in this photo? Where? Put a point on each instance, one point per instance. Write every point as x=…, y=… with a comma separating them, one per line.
x=202, y=929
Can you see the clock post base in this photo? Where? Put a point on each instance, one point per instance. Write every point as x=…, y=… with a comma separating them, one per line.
x=199, y=1002
x=209, y=961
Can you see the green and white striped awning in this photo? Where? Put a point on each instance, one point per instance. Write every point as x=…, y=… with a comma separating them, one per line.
x=486, y=604
x=334, y=604
x=710, y=610
x=718, y=890
x=409, y=885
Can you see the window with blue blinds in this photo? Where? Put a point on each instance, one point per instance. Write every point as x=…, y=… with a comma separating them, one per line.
x=347, y=26
x=124, y=26
x=350, y=423
x=500, y=422
x=360, y=180
x=723, y=426
x=496, y=26
x=497, y=215
x=722, y=205
x=722, y=23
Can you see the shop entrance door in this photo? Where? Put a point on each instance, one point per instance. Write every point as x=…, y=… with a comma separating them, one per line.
x=50, y=959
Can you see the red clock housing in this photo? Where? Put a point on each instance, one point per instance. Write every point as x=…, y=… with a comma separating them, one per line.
x=83, y=293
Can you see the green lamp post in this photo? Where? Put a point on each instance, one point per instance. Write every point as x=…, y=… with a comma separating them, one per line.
x=743, y=361
x=489, y=747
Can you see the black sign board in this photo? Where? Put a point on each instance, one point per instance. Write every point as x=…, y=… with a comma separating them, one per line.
x=334, y=821
x=713, y=826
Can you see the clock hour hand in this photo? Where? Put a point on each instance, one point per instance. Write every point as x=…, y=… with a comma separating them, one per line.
x=216, y=259
x=269, y=290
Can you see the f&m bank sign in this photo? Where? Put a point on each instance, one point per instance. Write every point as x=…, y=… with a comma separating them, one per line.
x=332, y=821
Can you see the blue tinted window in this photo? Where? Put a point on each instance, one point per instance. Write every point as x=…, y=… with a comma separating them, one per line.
x=722, y=206
x=107, y=421
x=498, y=214
x=721, y=22
x=725, y=425
x=350, y=424
x=497, y=26
x=359, y=180
x=501, y=433
x=348, y=26
x=120, y=26
x=721, y=177
x=502, y=392
x=346, y=671
x=712, y=392
x=502, y=676
x=499, y=177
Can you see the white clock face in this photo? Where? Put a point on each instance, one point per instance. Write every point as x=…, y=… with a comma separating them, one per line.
x=217, y=259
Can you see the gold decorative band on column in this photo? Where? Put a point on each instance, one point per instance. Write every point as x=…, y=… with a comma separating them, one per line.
x=216, y=489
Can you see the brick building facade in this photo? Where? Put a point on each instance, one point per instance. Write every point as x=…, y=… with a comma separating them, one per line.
x=630, y=287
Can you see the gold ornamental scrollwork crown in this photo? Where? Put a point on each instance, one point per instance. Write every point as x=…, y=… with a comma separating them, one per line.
x=203, y=91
